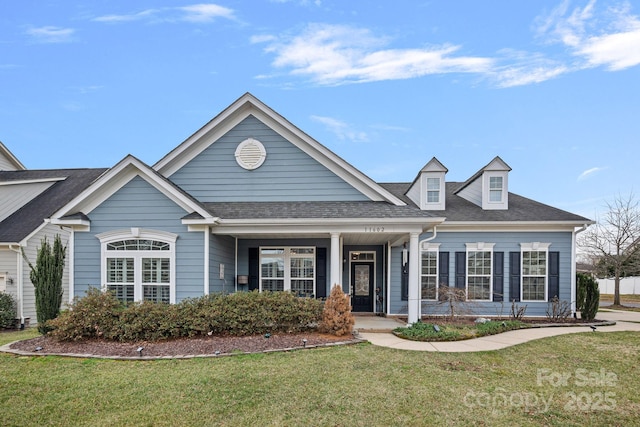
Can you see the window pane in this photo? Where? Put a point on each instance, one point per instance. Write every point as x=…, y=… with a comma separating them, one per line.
x=429, y=287
x=155, y=270
x=156, y=293
x=302, y=288
x=272, y=285
x=120, y=270
x=122, y=292
x=533, y=288
x=479, y=288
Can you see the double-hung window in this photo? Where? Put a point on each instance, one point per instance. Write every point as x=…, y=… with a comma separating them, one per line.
x=433, y=190
x=534, y=271
x=139, y=265
x=495, y=188
x=288, y=269
x=479, y=269
x=429, y=271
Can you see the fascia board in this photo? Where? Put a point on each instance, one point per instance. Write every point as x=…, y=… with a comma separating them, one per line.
x=520, y=226
x=31, y=181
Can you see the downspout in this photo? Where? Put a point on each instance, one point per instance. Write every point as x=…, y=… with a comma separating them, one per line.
x=207, y=233
x=428, y=239
x=573, y=266
x=19, y=278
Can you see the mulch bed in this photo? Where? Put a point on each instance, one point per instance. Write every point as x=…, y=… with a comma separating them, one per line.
x=197, y=346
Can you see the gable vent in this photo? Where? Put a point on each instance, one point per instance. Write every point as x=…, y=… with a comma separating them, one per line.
x=250, y=154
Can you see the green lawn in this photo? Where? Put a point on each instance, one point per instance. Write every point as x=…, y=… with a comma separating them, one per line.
x=359, y=385
x=623, y=298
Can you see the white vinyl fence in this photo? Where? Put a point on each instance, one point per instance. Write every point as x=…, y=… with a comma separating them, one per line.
x=628, y=286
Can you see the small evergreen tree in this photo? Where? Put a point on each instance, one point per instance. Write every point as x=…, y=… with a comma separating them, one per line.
x=46, y=277
x=591, y=298
x=336, y=315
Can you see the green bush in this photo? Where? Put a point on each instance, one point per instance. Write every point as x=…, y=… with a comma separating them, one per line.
x=427, y=332
x=94, y=316
x=101, y=315
x=7, y=310
x=588, y=296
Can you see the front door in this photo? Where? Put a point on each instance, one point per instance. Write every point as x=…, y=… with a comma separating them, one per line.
x=362, y=286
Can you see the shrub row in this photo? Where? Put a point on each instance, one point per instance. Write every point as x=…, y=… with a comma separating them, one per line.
x=101, y=315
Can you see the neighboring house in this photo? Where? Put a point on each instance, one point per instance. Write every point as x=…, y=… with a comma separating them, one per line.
x=28, y=198
x=250, y=201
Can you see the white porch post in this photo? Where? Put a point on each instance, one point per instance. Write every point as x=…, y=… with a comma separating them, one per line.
x=335, y=260
x=414, y=282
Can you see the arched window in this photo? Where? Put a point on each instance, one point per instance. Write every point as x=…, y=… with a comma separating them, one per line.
x=139, y=265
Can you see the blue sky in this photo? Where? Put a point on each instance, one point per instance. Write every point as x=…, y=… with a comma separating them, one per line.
x=552, y=87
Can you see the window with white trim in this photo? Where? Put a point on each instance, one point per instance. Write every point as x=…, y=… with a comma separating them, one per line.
x=288, y=269
x=534, y=271
x=433, y=190
x=479, y=271
x=139, y=267
x=429, y=271
x=496, y=186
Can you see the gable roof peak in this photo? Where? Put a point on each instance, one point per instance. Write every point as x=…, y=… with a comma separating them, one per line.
x=8, y=155
x=434, y=165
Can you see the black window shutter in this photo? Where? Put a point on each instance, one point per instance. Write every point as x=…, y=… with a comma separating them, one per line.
x=514, y=276
x=443, y=269
x=498, y=276
x=554, y=275
x=461, y=270
x=321, y=273
x=254, y=269
x=404, y=279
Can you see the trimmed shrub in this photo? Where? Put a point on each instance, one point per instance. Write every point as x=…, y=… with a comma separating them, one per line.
x=101, y=315
x=94, y=316
x=337, y=318
x=7, y=310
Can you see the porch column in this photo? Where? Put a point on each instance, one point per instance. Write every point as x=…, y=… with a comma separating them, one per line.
x=414, y=282
x=336, y=276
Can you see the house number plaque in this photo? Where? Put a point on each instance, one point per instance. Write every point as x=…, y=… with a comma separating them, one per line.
x=373, y=229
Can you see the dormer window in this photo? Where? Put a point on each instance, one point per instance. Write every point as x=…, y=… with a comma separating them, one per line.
x=496, y=187
x=433, y=190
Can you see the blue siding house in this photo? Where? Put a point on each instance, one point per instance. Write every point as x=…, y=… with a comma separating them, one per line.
x=251, y=202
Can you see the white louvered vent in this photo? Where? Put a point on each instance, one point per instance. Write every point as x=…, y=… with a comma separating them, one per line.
x=250, y=154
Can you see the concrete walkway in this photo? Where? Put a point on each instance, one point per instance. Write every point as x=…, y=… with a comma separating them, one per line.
x=366, y=327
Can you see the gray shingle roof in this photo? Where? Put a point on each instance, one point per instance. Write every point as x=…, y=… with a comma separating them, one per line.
x=314, y=210
x=28, y=218
x=520, y=208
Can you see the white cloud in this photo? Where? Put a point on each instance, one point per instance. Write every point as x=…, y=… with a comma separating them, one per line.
x=584, y=175
x=51, y=34
x=610, y=38
x=197, y=13
x=336, y=54
x=206, y=12
x=342, y=130
x=125, y=18
x=524, y=68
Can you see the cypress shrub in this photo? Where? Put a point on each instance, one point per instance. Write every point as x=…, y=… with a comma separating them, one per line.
x=591, y=297
x=46, y=277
